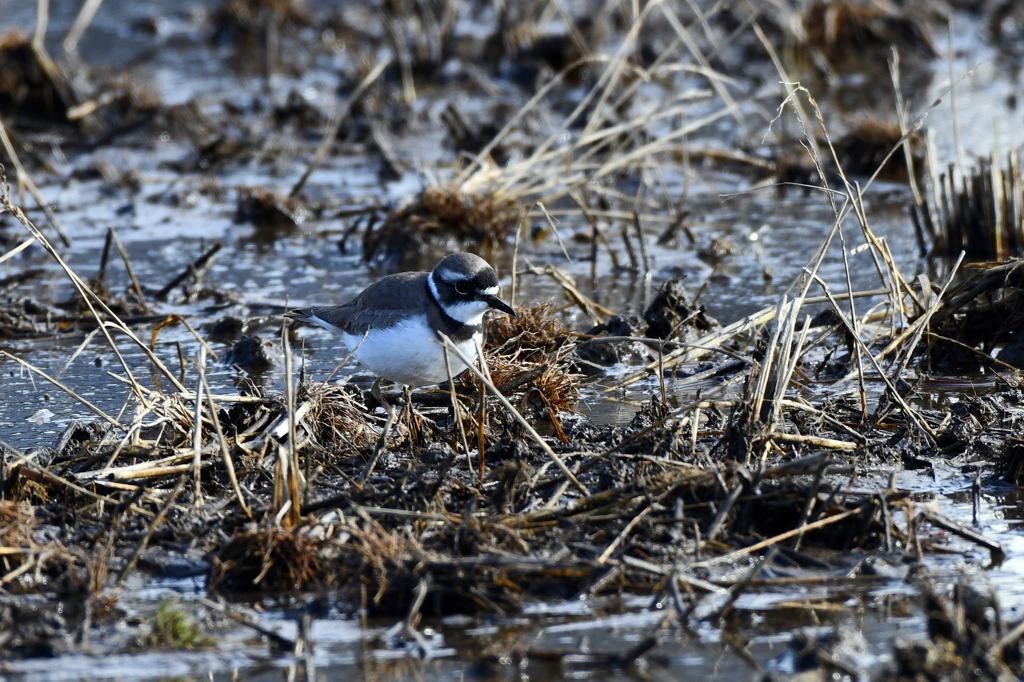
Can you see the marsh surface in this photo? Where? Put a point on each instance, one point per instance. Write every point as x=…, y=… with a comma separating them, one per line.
x=170, y=185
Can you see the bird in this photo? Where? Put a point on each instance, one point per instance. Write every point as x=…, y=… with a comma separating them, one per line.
x=393, y=326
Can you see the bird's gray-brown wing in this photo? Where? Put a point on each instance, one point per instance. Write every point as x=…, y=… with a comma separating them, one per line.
x=379, y=306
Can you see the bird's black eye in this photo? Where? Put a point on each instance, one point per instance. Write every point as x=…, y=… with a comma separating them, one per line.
x=462, y=288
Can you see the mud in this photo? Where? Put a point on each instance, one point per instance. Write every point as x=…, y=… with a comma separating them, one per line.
x=710, y=487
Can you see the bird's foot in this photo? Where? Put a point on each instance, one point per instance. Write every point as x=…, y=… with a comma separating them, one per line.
x=378, y=395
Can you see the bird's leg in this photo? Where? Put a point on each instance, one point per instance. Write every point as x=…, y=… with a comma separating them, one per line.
x=410, y=415
x=378, y=394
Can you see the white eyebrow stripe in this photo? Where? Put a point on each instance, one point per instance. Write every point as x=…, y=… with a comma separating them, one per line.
x=490, y=291
x=449, y=276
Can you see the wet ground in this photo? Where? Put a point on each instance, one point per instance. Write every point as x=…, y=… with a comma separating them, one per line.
x=565, y=639
x=170, y=201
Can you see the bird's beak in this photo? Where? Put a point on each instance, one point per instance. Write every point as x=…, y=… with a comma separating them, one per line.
x=499, y=304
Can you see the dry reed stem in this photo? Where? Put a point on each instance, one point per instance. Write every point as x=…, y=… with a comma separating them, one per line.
x=150, y=530
x=712, y=342
x=23, y=176
x=911, y=414
x=92, y=408
x=128, y=267
x=18, y=249
x=544, y=175
x=88, y=296
x=197, y=429
x=224, y=451
x=175, y=318
x=621, y=537
x=377, y=451
x=334, y=125
x=568, y=284
x=291, y=472
x=457, y=410
x=926, y=319
x=515, y=414
x=82, y=20
x=756, y=547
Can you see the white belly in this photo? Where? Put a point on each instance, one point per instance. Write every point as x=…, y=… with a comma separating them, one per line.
x=409, y=353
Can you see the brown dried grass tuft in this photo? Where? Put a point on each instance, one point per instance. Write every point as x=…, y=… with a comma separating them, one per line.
x=270, y=560
x=269, y=209
x=530, y=359
x=863, y=149
x=557, y=386
x=339, y=420
x=844, y=29
x=535, y=327
x=27, y=87
x=441, y=220
x=16, y=522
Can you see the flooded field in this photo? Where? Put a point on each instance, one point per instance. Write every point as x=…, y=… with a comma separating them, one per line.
x=700, y=458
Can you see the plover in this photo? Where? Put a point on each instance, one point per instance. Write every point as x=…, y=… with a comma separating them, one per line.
x=400, y=316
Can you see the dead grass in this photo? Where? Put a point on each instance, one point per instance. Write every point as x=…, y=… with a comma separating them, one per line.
x=530, y=357
x=979, y=209
x=16, y=523
x=270, y=560
x=534, y=328
x=264, y=208
x=862, y=150
x=550, y=379
x=339, y=421
x=844, y=29
x=441, y=220
x=246, y=21
x=983, y=311
x=27, y=88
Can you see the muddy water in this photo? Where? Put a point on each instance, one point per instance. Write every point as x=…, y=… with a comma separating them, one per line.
x=872, y=614
x=766, y=235
x=769, y=235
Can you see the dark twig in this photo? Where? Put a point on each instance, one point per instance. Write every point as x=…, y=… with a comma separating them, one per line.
x=194, y=266
x=141, y=547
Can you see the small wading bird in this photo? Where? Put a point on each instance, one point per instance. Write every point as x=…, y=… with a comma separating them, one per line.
x=392, y=326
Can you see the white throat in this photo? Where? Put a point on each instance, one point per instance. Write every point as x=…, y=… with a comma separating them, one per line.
x=469, y=312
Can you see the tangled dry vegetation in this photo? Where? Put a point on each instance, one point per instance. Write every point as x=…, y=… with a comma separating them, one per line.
x=491, y=492
x=851, y=29
x=311, y=490
x=440, y=220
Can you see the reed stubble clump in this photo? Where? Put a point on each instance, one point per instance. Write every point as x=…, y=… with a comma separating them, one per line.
x=856, y=29
x=531, y=359
x=978, y=210
x=440, y=220
x=31, y=86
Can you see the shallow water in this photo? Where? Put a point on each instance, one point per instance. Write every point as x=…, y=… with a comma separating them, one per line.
x=882, y=611
x=170, y=222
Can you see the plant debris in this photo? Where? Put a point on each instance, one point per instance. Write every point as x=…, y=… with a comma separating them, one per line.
x=439, y=221
x=803, y=470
